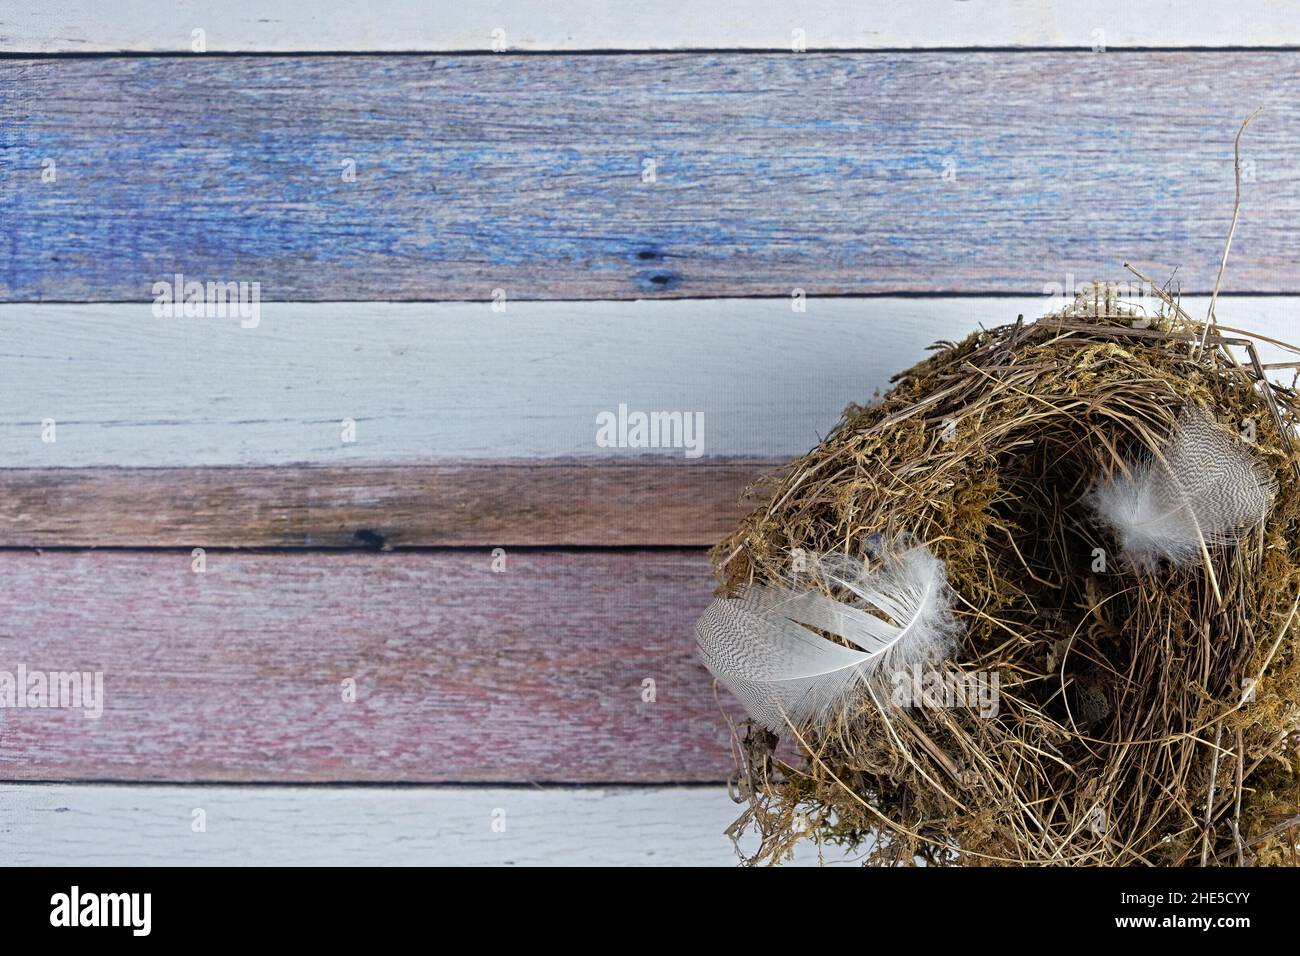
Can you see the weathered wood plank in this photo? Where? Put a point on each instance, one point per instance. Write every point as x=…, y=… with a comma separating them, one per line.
x=832, y=173
x=286, y=25
x=87, y=825
x=462, y=674
x=573, y=502
x=431, y=383
x=446, y=381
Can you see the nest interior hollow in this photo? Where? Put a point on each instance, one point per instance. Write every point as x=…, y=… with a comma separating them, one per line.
x=1146, y=716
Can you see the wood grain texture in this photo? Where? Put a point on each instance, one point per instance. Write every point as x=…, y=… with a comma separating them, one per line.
x=462, y=674
x=592, y=502
x=86, y=825
x=446, y=381
x=285, y=25
x=431, y=383
x=834, y=173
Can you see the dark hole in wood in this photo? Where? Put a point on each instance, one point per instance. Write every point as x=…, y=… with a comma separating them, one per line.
x=658, y=281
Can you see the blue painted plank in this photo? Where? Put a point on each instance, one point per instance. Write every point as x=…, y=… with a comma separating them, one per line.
x=862, y=173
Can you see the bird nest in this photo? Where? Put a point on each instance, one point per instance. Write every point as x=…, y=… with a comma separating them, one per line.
x=1131, y=712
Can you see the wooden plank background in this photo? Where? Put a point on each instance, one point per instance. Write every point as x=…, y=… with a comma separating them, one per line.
x=550, y=502
x=82, y=26
x=181, y=453
x=836, y=174
x=532, y=673
x=941, y=171
x=374, y=826
x=450, y=382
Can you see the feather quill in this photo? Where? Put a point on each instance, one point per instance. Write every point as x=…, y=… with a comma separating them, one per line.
x=764, y=646
x=1205, y=488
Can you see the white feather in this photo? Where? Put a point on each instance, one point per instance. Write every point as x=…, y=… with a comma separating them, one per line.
x=1204, y=486
x=763, y=646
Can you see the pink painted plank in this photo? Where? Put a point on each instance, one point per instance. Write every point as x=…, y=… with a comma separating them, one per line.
x=463, y=674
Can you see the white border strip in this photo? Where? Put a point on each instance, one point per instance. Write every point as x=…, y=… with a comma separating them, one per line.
x=93, y=26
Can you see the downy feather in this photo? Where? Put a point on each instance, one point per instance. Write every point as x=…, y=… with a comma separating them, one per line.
x=1205, y=485
x=764, y=647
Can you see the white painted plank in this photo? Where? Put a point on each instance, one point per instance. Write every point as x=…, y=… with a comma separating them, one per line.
x=101, y=825
x=454, y=381
x=390, y=25
x=435, y=380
